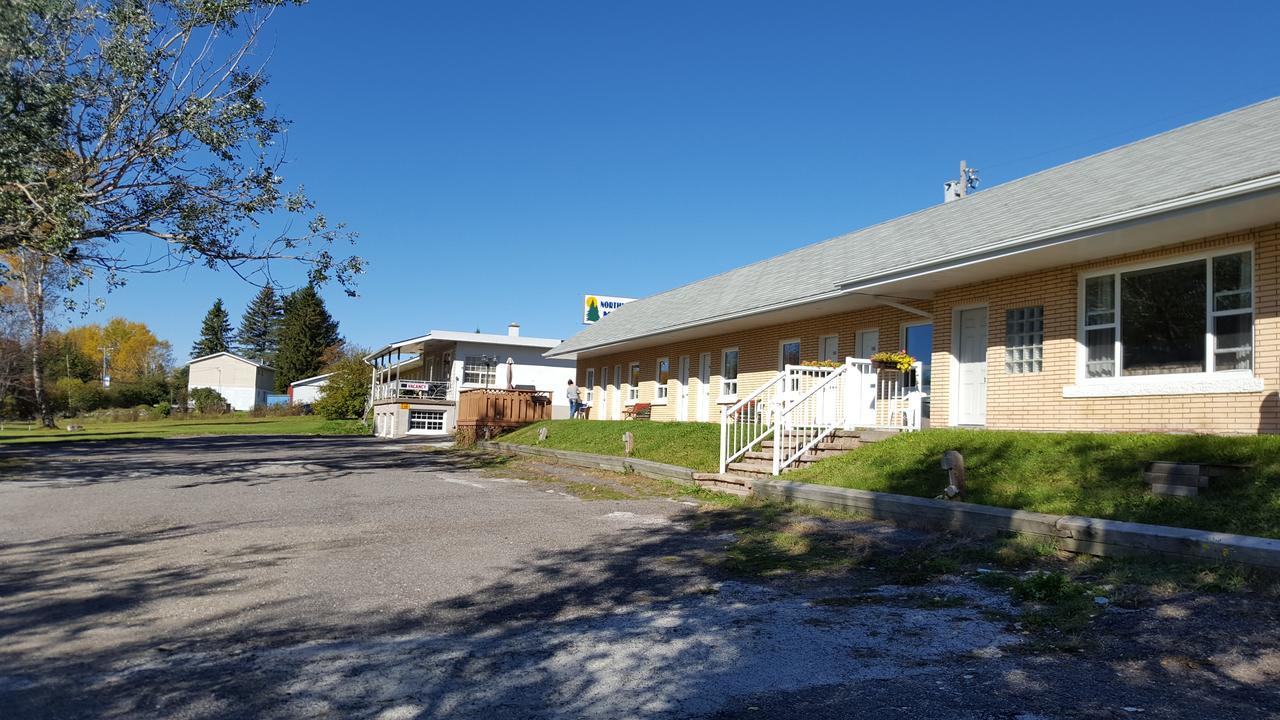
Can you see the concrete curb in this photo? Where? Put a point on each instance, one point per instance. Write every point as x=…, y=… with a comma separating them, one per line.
x=647, y=468
x=1092, y=536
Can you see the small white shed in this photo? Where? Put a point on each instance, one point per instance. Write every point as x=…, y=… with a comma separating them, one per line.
x=307, y=390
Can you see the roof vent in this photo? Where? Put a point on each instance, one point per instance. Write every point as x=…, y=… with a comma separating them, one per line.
x=513, y=330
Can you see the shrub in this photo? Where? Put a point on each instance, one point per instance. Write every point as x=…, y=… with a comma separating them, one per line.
x=208, y=400
x=347, y=391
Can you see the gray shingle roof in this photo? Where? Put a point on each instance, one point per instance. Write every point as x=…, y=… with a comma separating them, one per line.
x=1223, y=150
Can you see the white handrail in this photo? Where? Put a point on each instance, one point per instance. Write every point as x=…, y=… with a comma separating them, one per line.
x=733, y=432
x=803, y=420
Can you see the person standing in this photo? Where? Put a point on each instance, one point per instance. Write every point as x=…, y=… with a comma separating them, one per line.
x=574, y=404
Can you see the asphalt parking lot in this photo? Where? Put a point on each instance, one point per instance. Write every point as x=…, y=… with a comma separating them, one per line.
x=350, y=577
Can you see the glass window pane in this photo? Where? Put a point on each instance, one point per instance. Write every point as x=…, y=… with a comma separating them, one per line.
x=1233, y=342
x=1100, y=300
x=731, y=365
x=1162, y=323
x=1232, y=282
x=1100, y=348
x=791, y=353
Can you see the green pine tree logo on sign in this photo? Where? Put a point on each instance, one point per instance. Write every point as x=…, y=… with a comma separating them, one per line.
x=593, y=309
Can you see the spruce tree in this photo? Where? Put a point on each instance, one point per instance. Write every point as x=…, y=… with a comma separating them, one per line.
x=215, y=332
x=306, y=331
x=259, y=335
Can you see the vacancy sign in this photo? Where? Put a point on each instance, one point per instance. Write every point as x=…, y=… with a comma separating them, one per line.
x=595, y=307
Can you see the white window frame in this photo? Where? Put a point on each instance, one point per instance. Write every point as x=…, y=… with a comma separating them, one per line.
x=633, y=389
x=822, y=341
x=659, y=387
x=728, y=393
x=490, y=371
x=1207, y=381
x=591, y=385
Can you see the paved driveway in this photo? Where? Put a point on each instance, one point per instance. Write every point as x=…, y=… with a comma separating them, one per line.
x=348, y=577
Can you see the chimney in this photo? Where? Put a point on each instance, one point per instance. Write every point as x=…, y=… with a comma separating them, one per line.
x=513, y=330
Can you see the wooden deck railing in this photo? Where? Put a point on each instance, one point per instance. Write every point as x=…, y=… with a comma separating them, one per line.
x=486, y=413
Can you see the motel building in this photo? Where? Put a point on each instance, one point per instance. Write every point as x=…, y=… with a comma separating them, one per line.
x=416, y=382
x=1132, y=290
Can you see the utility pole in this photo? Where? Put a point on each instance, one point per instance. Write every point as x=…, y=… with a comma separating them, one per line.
x=956, y=189
x=106, y=353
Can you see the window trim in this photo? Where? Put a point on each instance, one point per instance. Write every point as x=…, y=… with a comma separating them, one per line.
x=727, y=397
x=633, y=390
x=822, y=340
x=489, y=370
x=1202, y=382
x=590, y=382
x=782, y=344
x=660, y=389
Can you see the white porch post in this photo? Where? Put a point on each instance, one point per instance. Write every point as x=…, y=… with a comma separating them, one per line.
x=852, y=393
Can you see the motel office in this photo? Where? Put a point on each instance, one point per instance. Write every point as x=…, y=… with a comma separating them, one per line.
x=1135, y=289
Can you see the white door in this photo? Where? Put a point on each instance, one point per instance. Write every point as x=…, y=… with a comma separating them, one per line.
x=829, y=348
x=971, y=352
x=868, y=343
x=704, y=387
x=617, y=393
x=603, y=400
x=682, y=391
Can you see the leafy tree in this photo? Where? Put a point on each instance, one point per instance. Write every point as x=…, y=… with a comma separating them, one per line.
x=134, y=137
x=347, y=391
x=215, y=332
x=63, y=358
x=133, y=351
x=259, y=335
x=306, y=333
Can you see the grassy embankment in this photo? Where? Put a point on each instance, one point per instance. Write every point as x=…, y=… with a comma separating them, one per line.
x=236, y=424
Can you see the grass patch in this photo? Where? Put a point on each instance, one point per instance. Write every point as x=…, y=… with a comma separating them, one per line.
x=691, y=445
x=1092, y=474
x=236, y=424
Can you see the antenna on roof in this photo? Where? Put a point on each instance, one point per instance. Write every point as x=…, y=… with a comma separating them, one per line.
x=956, y=189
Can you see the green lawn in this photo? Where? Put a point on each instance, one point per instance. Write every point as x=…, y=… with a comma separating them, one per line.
x=1091, y=474
x=691, y=445
x=238, y=424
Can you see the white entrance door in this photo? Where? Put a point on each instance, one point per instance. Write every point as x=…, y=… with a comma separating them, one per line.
x=829, y=348
x=682, y=392
x=603, y=401
x=868, y=343
x=971, y=352
x=704, y=387
x=617, y=393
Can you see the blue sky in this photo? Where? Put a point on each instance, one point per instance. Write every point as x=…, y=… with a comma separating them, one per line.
x=501, y=159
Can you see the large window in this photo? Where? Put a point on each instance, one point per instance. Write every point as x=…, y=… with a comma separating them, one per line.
x=1187, y=317
x=591, y=385
x=918, y=342
x=1024, y=340
x=476, y=371
x=633, y=382
x=663, y=376
x=729, y=372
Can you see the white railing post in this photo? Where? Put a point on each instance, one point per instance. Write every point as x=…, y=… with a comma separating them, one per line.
x=724, y=439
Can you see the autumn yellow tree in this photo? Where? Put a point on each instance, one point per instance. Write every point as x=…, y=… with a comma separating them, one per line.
x=133, y=351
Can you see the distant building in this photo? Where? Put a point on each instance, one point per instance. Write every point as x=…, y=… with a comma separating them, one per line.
x=307, y=390
x=416, y=382
x=243, y=382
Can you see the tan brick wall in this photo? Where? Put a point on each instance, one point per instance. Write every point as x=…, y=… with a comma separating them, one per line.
x=1034, y=401
x=758, y=352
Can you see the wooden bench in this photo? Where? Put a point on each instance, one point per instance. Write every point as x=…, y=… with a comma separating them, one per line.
x=639, y=411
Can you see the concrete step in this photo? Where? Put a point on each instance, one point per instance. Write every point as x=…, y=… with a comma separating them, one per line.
x=835, y=445
x=723, y=482
x=752, y=468
x=767, y=457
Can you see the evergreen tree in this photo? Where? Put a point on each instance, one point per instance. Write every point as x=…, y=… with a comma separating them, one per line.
x=215, y=332
x=306, y=331
x=259, y=335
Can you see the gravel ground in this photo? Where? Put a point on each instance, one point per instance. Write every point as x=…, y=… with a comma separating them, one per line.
x=349, y=577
